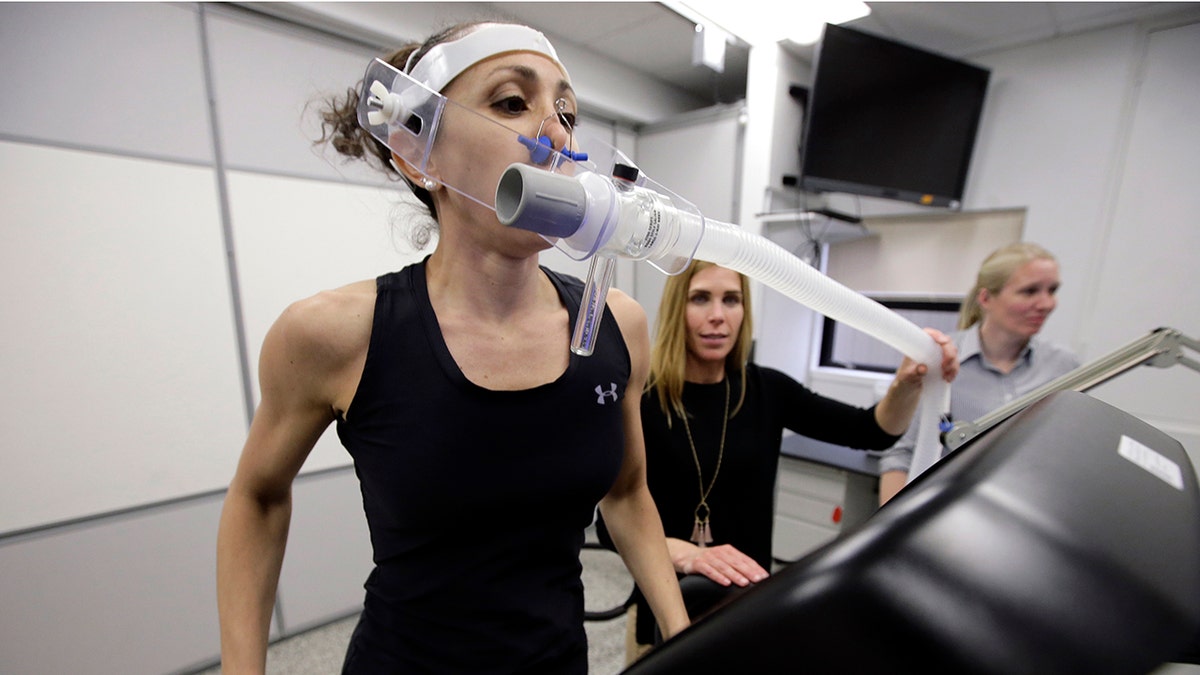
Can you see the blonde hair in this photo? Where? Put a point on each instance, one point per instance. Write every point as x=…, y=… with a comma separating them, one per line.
x=668, y=358
x=995, y=271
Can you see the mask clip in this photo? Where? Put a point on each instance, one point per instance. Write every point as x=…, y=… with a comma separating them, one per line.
x=384, y=106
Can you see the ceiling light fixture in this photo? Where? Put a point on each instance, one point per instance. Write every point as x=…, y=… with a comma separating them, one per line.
x=708, y=47
x=761, y=22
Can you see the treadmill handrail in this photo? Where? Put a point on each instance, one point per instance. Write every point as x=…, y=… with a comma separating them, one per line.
x=1162, y=347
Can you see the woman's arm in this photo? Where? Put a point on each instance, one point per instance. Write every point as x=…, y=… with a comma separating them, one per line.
x=628, y=510
x=895, y=411
x=891, y=482
x=296, y=370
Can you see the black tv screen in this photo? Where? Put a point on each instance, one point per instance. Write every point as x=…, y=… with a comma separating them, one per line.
x=889, y=120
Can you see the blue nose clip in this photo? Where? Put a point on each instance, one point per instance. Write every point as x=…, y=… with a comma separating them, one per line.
x=539, y=150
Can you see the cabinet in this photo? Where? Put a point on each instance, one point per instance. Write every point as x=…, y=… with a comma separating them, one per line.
x=815, y=500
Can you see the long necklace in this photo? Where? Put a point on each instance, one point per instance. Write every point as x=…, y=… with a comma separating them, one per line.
x=702, y=532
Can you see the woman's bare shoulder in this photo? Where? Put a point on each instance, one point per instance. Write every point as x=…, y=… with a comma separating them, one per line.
x=632, y=320
x=626, y=310
x=327, y=328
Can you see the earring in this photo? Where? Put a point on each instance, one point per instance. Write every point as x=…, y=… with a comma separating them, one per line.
x=430, y=185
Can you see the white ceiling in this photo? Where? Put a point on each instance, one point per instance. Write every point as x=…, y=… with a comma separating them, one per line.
x=656, y=40
x=652, y=38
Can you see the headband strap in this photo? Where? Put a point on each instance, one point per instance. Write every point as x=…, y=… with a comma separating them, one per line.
x=446, y=61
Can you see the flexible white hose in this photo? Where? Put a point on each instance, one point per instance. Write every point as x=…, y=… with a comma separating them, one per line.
x=763, y=260
x=650, y=225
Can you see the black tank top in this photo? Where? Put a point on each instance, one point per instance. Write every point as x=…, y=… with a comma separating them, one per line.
x=476, y=499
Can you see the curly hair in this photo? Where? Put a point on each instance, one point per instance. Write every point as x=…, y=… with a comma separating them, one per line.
x=341, y=130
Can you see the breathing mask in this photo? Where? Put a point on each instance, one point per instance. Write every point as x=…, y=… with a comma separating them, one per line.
x=604, y=216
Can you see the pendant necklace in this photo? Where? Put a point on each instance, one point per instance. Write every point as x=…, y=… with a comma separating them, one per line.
x=701, y=532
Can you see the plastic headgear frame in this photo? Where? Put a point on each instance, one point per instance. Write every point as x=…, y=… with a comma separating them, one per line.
x=406, y=116
x=437, y=67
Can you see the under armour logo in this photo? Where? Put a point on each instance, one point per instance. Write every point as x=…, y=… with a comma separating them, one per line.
x=605, y=394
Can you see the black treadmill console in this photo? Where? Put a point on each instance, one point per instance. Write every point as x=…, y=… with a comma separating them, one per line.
x=1064, y=540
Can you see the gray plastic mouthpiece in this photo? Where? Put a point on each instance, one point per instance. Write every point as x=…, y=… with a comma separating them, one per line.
x=551, y=204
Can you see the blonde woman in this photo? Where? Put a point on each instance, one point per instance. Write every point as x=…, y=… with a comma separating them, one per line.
x=1000, y=354
x=713, y=423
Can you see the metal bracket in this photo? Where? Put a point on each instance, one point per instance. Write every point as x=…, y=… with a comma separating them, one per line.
x=1162, y=348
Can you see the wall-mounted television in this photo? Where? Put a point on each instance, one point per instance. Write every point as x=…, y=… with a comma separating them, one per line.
x=886, y=119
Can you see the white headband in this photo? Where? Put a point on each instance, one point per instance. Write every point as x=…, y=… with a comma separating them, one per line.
x=446, y=61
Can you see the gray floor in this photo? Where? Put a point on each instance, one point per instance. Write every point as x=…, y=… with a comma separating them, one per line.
x=606, y=584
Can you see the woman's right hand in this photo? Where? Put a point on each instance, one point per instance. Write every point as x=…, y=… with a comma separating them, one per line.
x=723, y=564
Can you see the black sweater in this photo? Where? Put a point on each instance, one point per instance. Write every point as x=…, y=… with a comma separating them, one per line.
x=742, y=502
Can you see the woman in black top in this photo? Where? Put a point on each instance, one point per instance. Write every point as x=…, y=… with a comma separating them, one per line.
x=713, y=423
x=481, y=443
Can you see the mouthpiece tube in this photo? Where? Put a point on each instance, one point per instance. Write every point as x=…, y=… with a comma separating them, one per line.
x=540, y=201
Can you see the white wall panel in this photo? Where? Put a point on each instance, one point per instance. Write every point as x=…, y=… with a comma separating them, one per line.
x=269, y=84
x=120, y=370
x=124, y=77
x=130, y=594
